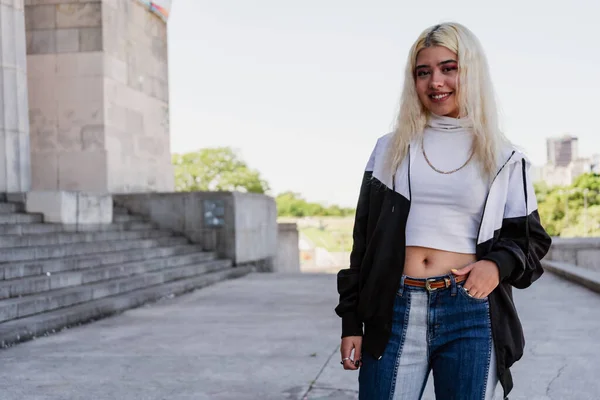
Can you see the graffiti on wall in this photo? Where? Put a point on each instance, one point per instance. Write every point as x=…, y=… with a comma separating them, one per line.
x=160, y=7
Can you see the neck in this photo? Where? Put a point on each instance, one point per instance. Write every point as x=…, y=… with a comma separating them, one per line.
x=447, y=123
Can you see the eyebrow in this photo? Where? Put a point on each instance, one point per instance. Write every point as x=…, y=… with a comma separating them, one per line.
x=442, y=63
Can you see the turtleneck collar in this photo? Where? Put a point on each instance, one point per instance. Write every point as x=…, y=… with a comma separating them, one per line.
x=447, y=123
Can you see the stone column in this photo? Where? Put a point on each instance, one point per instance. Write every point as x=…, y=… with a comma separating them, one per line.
x=14, y=115
x=98, y=96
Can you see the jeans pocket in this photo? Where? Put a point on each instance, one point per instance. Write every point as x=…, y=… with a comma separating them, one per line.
x=464, y=293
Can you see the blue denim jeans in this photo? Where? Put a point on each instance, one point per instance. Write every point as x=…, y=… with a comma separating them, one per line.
x=443, y=330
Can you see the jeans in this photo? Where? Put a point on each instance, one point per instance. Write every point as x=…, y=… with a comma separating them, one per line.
x=443, y=330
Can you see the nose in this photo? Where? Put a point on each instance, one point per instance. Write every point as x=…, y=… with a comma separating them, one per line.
x=437, y=81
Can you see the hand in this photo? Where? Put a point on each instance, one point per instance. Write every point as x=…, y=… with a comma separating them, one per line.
x=483, y=278
x=349, y=343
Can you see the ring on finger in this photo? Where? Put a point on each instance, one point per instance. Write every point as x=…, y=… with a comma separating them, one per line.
x=344, y=359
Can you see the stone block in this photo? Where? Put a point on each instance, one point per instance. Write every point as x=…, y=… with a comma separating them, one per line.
x=90, y=39
x=78, y=15
x=56, y=206
x=94, y=208
x=116, y=116
x=134, y=122
x=43, y=131
x=115, y=69
x=40, y=17
x=42, y=42
x=83, y=170
x=78, y=119
x=70, y=207
x=255, y=227
x=44, y=171
x=42, y=66
x=67, y=40
x=81, y=65
x=92, y=137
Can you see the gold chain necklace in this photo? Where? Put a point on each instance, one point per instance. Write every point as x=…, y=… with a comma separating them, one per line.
x=438, y=170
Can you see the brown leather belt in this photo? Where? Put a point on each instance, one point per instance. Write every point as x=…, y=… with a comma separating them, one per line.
x=434, y=284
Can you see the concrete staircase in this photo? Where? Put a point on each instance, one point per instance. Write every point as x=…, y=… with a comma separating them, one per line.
x=53, y=276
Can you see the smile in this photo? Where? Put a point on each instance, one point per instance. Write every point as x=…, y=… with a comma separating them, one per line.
x=439, y=97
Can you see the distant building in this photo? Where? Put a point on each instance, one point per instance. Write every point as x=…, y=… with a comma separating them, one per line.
x=564, y=164
x=562, y=151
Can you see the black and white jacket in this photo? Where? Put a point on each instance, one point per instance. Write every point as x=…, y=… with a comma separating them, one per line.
x=510, y=235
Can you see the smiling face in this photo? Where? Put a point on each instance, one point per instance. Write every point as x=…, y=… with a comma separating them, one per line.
x=436, y=80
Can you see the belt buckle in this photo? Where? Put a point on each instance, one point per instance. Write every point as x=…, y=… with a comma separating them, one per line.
x=428, y=285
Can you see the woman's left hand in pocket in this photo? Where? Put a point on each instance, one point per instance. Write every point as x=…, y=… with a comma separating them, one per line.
x=483, y=278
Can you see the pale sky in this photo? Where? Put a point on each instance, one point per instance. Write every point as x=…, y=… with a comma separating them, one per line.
x=303, y=89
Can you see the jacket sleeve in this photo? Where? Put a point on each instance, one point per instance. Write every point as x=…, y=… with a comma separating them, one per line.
x=348, y=279
x=523, y=242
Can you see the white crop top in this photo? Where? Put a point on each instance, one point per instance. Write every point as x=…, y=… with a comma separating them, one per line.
x=445, y=209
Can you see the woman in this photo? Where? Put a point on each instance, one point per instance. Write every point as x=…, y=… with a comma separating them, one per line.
x=446, y=224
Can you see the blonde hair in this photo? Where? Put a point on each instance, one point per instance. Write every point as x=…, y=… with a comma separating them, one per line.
x=475, y=97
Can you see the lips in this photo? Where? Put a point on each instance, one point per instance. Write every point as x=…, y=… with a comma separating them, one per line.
x=440, y=97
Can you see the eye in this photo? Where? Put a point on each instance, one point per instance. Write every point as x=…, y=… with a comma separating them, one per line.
x=422, y=73
x=448, y=69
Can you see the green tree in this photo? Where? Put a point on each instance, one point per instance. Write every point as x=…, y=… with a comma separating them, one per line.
x=290, y=204
x=215, y=169
x=563, y=209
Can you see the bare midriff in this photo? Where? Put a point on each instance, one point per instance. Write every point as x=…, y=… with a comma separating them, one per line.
x=425, y=262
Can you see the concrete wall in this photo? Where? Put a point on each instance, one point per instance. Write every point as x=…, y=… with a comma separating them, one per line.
x=255, y=227
x=288, y=253
x=582, y=252
x=248, y=223
x=97, y=125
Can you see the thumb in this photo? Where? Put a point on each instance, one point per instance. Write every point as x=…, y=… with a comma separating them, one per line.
x=464, y=270
x=357, y=351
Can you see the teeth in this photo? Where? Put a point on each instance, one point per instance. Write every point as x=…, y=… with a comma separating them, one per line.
x=440, y=96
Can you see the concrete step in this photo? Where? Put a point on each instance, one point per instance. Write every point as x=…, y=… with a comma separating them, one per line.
x=27, y=328
x=53, y=281
x=35, y=229
x=66, y=250
x=154, y=274
x=37, y=267
x=15, y=218
x=7, y=241
x=582, y=276
x=11, y=208
x=127, y=218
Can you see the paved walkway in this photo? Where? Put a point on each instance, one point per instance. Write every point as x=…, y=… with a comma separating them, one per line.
x=270, y=336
